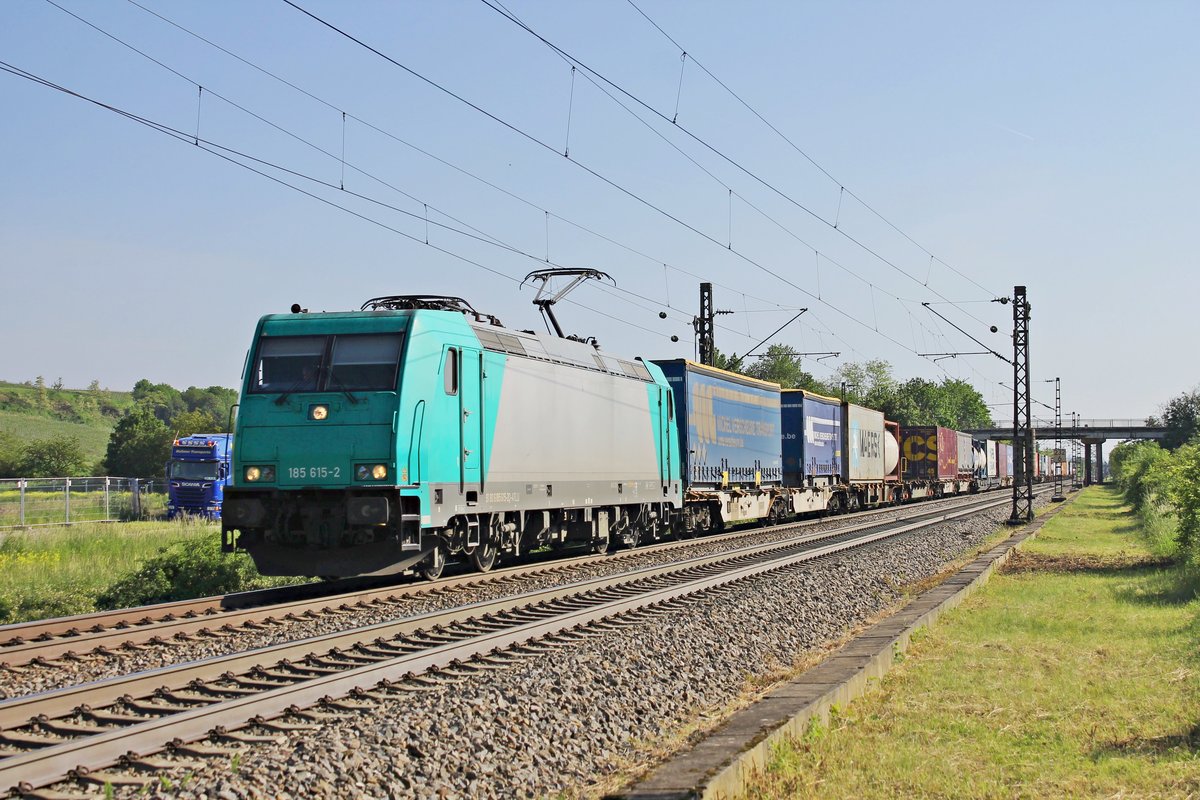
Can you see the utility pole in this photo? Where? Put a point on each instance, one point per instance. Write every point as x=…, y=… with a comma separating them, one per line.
x=1023, y=454
x=704, y=325
x=1075, y=460
x=1059, y=454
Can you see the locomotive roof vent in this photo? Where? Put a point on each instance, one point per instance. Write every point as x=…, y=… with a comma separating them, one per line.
x=427, y=302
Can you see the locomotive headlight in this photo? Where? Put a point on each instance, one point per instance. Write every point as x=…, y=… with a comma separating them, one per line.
x=370, y=472
x=318, y=412
x=259, y=474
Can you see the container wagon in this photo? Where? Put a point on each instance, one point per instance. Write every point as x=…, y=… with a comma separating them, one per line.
x=812, y=448
x=730, y=444
x=929, y=460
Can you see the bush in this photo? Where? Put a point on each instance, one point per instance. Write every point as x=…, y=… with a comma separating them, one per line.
x=181, y=571
x=44, y=604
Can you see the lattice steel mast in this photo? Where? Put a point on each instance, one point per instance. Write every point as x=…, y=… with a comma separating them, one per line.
x=1023, y=453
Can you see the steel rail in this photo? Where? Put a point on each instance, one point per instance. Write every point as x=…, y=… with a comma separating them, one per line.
x=19, y=711
x=48, y=764
x=23, y=643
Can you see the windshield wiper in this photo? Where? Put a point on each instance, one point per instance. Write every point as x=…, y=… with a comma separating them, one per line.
x=334, y=379
x=284, y=396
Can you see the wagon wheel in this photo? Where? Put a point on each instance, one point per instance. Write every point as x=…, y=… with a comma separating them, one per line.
x=433, y=565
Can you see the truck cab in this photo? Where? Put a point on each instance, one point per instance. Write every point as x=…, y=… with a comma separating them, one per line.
x=197, y=474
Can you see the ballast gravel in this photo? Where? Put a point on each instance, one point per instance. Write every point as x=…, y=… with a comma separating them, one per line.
x=556, y=724
x=35, y=678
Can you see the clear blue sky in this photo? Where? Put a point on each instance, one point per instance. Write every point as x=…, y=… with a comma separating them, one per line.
x=1050, y=145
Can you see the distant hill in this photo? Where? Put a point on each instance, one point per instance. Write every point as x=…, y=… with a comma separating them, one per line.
x=39, y=412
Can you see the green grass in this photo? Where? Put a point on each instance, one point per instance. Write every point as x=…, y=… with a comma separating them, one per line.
x=54, y=572
x=93, y=435
x=29, y=413
x=58, y=571
x=1074, y=673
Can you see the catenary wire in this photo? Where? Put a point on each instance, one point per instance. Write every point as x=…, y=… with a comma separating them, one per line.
x=624, y=190
x=841, y=186
x=699, y=140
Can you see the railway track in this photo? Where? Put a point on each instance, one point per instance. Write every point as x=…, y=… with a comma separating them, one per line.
x=256, y=695
x=106, y=632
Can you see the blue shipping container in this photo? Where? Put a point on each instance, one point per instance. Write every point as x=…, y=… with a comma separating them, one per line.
x=812, y=437
x=733, y=427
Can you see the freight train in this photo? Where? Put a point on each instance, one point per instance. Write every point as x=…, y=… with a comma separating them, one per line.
x=418, y=430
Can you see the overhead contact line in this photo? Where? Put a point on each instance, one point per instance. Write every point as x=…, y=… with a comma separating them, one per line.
x=704, y=143
x=841, y=186
x=599, y=176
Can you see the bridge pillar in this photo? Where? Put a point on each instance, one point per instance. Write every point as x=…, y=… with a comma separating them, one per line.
x=1087, y=464
x=1100, y=463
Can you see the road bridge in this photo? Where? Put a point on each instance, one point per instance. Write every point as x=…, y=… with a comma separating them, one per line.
x=1091, y=432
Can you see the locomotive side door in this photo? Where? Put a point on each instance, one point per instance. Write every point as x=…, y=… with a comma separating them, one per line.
x=666, y=411
x=470, y=416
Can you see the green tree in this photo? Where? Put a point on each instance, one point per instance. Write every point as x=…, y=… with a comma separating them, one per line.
x=870, y=384
x=43, y=395
x=214, y=401
x=1181, y=417
x=164, y=400
x=781, y=364
x=139, y=446
x=190, y=422
x=963, y=406
x=11, y=451
x=1179, y=485
x=58, y=456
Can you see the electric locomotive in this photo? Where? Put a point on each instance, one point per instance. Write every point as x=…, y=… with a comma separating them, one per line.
x=417, y=429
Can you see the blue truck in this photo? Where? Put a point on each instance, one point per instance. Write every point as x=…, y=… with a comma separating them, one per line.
x=197, y=474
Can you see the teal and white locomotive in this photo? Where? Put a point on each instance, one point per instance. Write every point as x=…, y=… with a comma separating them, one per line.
x=417, y=430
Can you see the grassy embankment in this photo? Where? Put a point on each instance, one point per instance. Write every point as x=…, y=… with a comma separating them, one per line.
x=1074, y=672
x=30, y=413
x=91, y=566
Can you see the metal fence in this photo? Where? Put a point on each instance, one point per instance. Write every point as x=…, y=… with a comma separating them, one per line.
x=29, y=502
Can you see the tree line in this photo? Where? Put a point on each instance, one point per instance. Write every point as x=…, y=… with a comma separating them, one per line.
x=1161, y=480
x=140, y=443
x=950, y=403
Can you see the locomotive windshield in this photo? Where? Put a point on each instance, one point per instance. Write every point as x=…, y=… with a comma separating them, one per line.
x=338, y=362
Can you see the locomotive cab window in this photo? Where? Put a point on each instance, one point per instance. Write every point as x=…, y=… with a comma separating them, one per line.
x=287, y=364
x=364, y=362
x=337, y=363
x=450, y=372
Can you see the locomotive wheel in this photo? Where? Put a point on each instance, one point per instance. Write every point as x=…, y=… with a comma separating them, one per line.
x=433, y=565
x=635, y=536
x=600, y=546
x=483, y=557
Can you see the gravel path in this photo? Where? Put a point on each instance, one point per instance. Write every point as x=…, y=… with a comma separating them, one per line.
x=556, y=723
x=55, y=675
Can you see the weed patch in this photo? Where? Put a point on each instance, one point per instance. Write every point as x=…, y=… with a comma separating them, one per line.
x=1083, y=562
